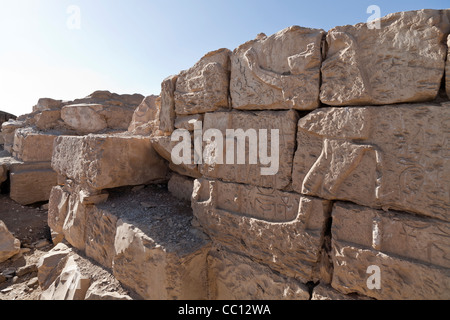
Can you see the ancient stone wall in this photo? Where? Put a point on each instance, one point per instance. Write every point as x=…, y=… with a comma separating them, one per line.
x=355, y=123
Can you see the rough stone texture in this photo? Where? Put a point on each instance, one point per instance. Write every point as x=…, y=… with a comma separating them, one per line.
x=167, y=114
x=45, y=104
x=163, y=146
x=58, y=208
x=403, y=61
x=234, y=277
x=32, y=146
x=394, y=233
x=284, y=121
x=181, y=187
x=389, y=157
x=187, y=122
x=48, y=119
x=107, y=161
x=279, y=229
x=100, y=235
x=145, y=117
x=447, y=69
x=31, y=182
x=50, y=264
x=324, y=292
x=84, y=118
x=68, y=285
x=401, y=279
x=411, y=252
x=3, y=173
x=278, y=72
x=9, y=245
x=8, y=133
x=159, y=272
x=204, y=87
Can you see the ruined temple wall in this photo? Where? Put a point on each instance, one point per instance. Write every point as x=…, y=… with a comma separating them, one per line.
x=364, y=175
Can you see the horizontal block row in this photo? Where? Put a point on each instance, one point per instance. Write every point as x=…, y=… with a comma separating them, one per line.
x=400, y=61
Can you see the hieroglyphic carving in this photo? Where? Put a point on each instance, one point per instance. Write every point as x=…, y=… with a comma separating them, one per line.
x=278, y=72
x=281, y=229
x=382, y=157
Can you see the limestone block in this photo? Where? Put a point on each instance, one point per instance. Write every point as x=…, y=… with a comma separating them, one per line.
x=48, y=119
x=9, y=245
x=393, y=233
x=100, y=235
x=181, y=187
x=164, y=146
x=284, y=124
x=447, y=69
x=158, y=269
x=234, y=277
x=84, y=118
x=8, y=133
x=32, y=146
x=278, y=72
x=51, y=264
x=400, y=279
x=70, y=284
x=167, y=114
x=403, y=61
x=99, y=162
x=45, y=104
x=282, y=230
x=31, y=182
x=58, y=208
x=381, y=157
x=145, y=117
x=204, y=87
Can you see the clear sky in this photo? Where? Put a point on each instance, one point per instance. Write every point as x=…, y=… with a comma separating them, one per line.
x=66, y=49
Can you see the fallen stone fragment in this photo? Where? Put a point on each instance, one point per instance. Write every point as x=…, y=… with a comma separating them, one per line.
x=51, y=264
x=9, y=245
x=146, y=117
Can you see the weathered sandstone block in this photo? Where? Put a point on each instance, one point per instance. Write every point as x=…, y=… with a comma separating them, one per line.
x=279, y=229
x=278, y=72
x=389, y=157
x=107, y=161
x=412, y=253
x=280, y=165
x=84, y=118
x=167, y=114
x=403, y=61
x=32, y=146
x=51, y=264
x=8, y=132
x=187, y=122
x=48, y=104
x=9, y=245
x=48, y=119
x=31, y=182
x=204, y=87
x=234, y=277
x=324, y=292
x=145, y=117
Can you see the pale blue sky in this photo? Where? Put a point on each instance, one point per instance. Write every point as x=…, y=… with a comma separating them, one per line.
x=130, y=46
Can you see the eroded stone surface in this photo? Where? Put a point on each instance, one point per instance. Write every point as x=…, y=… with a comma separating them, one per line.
x=234, y=277
x=204, y=87
x=31, y=182
x=389, y=157
x=283, y=121
x=181, y=187
x=145, y=118
x=280, y=229
x=107, y=161
x=33, y=146
x=9, y=245
x=167, y=115
x=278, y=72
x=447, y=70
x=403, y=61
